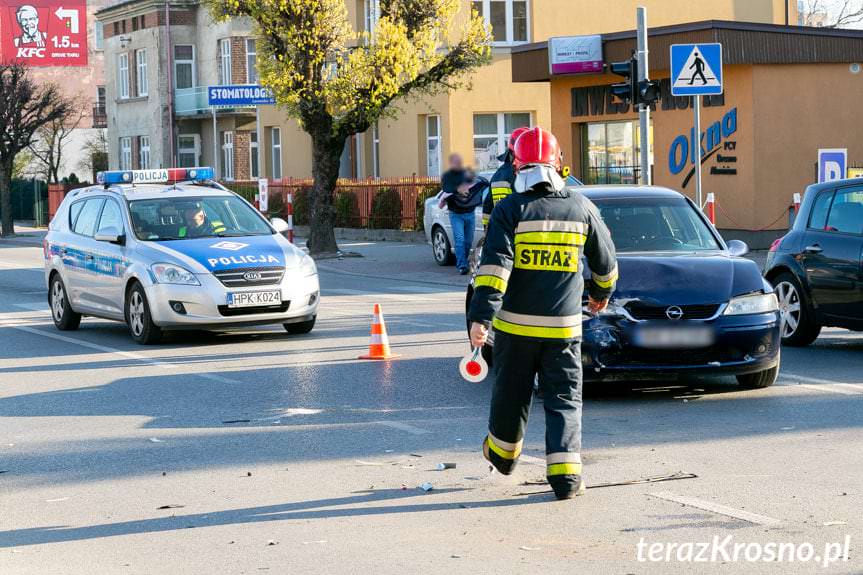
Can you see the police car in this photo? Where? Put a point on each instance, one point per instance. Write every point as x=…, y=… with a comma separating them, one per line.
x=173, y=249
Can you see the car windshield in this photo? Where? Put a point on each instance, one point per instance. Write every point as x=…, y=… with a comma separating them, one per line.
x=190, y=217
x=655, y=225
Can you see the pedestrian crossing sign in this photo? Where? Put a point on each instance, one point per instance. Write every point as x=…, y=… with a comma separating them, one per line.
x=696, y=69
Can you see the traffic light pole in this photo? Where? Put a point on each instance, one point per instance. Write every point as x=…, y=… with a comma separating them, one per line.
x=643, y=109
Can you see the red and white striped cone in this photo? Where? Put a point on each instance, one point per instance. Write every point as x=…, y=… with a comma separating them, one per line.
x=379, y=344
x=290, y=217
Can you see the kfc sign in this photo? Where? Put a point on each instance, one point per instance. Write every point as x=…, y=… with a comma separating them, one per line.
x=43, y=32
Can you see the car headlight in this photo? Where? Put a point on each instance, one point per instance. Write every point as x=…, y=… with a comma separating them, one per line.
x=308, y=267
x=752, y=304
x=173, y=274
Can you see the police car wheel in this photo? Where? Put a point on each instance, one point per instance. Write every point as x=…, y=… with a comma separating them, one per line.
x=301, y=327
x=141, y=326
x=65, y=318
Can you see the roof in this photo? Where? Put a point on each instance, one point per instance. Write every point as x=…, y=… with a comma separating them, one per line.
x=627, y=191
x=742, y=43
x=152, y=191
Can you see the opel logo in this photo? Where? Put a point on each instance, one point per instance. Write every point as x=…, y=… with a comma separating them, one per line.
x=674, y=312
x=252, y=276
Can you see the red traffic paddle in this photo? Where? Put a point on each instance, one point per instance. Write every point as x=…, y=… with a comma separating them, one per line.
x=473, y=367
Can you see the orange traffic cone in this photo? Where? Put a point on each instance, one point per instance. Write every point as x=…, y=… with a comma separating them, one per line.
x=379, y=346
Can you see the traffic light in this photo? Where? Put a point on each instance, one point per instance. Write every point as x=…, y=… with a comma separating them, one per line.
x=631, y=90
x=627, y=90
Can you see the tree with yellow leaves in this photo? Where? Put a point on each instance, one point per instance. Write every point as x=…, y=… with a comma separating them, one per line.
x=338, y=82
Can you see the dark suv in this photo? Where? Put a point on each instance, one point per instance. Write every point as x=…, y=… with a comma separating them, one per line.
x=817, y=268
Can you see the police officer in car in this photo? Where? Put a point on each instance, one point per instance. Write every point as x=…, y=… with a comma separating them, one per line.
x=529, y=288
x=198, y=225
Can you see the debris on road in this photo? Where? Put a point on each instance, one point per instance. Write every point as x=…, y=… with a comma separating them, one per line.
x=442, y=466
x=653, y=479
x=237, y=421
x=271, y=543
x=248, y=473
x=426, y=486
x=415, y=455
x=367, y=463
x=4, y=471
x=156, y=440
x=171, y=506
x=832, y=523
x=56, y=500
x=526, y=548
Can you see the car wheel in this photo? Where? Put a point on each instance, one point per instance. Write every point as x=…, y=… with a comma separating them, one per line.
x=301, y=327
x=138, y=318
x=797, y=318
x=441, y=247
x=65, y=318
x=759, y=379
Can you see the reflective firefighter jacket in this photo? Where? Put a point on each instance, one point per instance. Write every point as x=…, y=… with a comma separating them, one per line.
x=529, y=282
x=501, y=186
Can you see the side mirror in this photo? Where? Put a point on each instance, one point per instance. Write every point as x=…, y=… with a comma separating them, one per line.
x=111, y=235
x=737, y=248
x=280, y=225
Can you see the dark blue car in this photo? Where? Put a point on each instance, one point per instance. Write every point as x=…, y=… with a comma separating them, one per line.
x=686, y=302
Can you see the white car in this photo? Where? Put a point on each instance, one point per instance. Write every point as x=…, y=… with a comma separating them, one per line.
x=188, y=254
x=439, y=231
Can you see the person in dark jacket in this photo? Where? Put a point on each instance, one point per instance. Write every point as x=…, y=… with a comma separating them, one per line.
x=462, y=195
x=529, y=288
x=503, y=179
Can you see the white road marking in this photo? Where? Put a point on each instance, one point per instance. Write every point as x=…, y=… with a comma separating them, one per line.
x=412, y=429
x=126, y=354
x=808, y=379
x=718, y=509
x=41, y=306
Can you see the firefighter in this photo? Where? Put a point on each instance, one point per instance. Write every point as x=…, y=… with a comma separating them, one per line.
x=503, y=178
x=529, y=288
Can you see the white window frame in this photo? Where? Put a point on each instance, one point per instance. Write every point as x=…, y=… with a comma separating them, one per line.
x=99, y=36
x=254, y=146
x=123, y=75
x=142, y=82
x=501, y=134
x=251, y=61
x=225, y=62
x=429, y=140
x=144, y=152
x=510, y=24
x=126, y=153
x=195, y=149
x=371, y=15
x=178, y=62
x=228, y=155
x=276, y=152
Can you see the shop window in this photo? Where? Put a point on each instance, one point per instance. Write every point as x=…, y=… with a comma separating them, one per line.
x=490, y=136
x=611, y=153
x=509, y=19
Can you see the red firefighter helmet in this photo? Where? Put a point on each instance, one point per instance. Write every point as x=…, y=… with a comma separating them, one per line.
x=536, y=146
x=514, y=136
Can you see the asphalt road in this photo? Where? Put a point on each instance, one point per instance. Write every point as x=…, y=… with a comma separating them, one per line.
x=256, y=451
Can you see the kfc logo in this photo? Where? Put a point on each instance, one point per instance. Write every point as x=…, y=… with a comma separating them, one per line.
x=28, y=22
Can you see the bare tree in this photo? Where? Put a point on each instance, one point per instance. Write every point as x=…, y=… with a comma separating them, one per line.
x=95, y=157
x=24, y=108
x=831, y=13
x=51, y=139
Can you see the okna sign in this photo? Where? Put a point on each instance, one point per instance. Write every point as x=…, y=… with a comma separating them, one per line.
x=682, y=149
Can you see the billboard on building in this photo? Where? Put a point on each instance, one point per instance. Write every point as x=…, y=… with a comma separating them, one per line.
x=575, y=55
x=43, y=32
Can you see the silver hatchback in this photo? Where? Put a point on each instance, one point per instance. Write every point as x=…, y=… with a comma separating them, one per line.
x=188, y=255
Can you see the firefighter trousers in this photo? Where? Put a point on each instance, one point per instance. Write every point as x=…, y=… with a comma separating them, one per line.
x=557, y=363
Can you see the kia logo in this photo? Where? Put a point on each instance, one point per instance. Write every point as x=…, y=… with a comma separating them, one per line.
x=674, y=312
x=252, y=276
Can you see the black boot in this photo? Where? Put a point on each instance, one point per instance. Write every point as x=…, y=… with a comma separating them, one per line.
x=503, y=465
x=567, y=486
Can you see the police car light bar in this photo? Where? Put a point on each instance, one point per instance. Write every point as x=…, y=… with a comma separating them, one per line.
x=159, y=176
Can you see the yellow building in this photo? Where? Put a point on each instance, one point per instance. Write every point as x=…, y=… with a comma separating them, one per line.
x=476, y=122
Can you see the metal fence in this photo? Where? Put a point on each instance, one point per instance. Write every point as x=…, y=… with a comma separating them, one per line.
x=392, y=203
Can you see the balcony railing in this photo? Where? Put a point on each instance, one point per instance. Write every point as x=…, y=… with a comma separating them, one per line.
x=100, y=117
x=193, y=101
